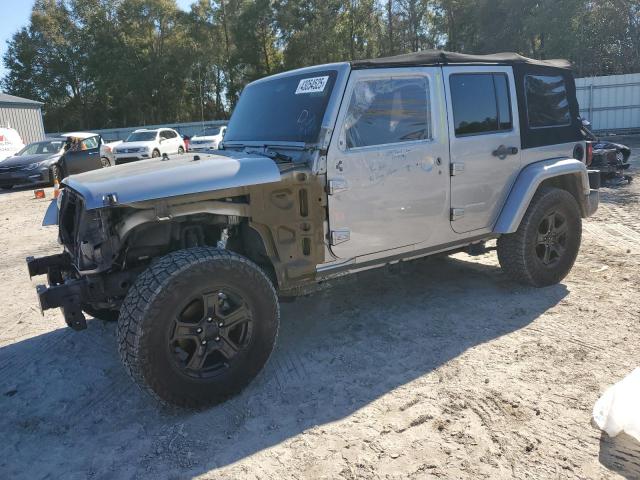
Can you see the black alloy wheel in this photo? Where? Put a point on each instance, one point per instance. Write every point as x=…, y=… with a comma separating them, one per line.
x=210, y=329
x=552, y=238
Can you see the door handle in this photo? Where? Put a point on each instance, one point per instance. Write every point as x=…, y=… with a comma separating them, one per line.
x=501, y=152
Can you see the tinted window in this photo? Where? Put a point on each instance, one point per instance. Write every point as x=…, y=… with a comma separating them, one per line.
x=286, y=109
x=481, y=103
x=388, y=111
x=547, y=104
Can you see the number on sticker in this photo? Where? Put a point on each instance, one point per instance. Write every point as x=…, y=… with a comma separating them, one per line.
x=312, y=85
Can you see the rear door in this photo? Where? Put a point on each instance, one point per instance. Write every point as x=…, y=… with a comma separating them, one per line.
x=484, y=143
x=86, y=158
x=387, y=162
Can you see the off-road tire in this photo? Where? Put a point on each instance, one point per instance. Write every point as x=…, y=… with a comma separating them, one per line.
x=517, y=251
x=147, y=320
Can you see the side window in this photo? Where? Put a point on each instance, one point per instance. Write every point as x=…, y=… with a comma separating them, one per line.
x=386, y=111
x=164, y=134
x=547, y=104
x=481, y=103
x=89, y=143
x=171, y=134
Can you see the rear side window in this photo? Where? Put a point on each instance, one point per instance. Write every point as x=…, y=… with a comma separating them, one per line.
x=547, y=104
x=388, y=111
x=481, y=103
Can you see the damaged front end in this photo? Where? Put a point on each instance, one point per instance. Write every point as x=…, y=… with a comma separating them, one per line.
x=82, y=275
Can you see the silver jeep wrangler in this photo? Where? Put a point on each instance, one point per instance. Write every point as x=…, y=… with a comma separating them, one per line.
x=323, y=171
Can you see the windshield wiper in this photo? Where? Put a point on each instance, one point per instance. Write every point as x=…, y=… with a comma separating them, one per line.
x=273, y=155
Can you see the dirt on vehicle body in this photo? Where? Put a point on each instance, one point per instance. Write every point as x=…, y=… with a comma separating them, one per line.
x=326, y=171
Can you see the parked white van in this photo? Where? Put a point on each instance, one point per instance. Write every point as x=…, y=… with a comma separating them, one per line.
x=10, y=142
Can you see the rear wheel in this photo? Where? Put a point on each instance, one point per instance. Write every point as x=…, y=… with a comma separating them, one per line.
x=198, y=326
x=180, y=150
x=544, y=248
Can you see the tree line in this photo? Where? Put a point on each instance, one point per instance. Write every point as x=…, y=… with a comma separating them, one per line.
x=115, y=63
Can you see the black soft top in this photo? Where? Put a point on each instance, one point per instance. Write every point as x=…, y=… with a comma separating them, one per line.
x=440, y=57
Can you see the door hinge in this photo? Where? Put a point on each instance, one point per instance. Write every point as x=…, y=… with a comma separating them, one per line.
x=340, y=235
x=457, y=213
x=457, y=168
x=337, y=185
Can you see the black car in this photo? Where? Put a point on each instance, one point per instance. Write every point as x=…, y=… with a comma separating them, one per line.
x=43, y=162
x=612, y=159
x=37, y=163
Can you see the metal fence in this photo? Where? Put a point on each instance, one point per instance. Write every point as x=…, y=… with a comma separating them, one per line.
x=25, y=118
x=612, y=103
x=190, y=129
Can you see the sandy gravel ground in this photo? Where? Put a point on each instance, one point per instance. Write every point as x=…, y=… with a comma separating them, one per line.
x=436, y=369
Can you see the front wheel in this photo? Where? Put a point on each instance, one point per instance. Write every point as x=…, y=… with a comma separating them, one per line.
x=544, y=248
x=197, y=326
x=104, y=162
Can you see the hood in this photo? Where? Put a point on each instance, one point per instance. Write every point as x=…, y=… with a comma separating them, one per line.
x=27, y=159
x=147, y=144
x=180, y=175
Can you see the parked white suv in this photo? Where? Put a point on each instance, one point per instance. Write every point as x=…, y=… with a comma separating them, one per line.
x=209, y=139
x=145, y=143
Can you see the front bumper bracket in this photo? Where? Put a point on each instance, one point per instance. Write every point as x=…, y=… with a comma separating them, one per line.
x=65, y=294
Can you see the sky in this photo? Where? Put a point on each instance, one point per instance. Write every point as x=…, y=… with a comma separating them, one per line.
x=15, y=15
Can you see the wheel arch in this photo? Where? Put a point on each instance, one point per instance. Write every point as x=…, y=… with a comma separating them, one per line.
x=564, y=173
x=144, y=229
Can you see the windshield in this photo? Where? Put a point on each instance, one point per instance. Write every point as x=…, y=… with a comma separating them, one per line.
x=141, y=136
x=285, y=109
x=42, y=148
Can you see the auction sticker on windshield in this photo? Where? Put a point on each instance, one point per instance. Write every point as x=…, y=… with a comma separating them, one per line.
x=312, y=85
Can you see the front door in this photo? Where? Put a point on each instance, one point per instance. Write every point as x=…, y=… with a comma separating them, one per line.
x=387, y=162
x=82, y=158
x=485, y=143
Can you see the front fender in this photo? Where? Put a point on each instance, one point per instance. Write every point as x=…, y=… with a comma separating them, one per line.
x=573, y=176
